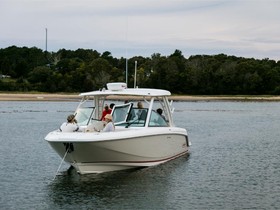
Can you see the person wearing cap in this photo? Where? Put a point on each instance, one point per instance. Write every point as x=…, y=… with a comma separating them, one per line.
x=71, y=124
x=110, y=125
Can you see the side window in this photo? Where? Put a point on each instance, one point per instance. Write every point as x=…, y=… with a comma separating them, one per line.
x=156, y=120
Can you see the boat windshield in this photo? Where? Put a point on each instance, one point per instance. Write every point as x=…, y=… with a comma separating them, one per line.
x=120, y=113
x=83, y=115
x=128, y=116
x=135, y=118
x=154, y=112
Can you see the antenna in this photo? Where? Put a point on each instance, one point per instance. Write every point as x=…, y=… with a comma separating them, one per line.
x=126, y=70
x=126, y=61
x=135, y=74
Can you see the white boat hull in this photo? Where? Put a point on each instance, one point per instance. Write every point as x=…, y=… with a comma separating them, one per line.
x=143, y=136
x=88, y=153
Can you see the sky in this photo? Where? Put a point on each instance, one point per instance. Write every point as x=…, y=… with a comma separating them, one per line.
x=128, y=28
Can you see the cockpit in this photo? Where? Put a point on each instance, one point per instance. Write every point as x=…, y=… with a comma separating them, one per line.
x=124, y=114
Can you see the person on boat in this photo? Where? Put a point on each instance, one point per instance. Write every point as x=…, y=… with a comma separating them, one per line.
x=159, y=111
x=162, y=121
x=71, y=124
x=112, y=106
x=106, y=111
x=109, y=124
x=142, y=113
x=140, y=105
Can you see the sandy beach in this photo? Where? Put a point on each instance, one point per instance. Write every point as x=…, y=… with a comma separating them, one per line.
x=76, y=97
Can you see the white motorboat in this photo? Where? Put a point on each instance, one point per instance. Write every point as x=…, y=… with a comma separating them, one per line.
x=142, y=140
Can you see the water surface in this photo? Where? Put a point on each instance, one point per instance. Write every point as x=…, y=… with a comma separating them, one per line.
x=233, y=163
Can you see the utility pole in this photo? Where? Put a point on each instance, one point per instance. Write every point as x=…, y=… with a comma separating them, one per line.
x=46, y=40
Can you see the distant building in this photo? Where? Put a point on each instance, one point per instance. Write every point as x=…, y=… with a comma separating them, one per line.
x=2, y=76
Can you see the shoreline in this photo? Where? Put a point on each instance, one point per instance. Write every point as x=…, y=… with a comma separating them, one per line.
x=73, y=97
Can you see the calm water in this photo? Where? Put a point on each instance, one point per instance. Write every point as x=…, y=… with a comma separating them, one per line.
x=234, y=162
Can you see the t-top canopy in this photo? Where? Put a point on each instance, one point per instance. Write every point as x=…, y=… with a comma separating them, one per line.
x=128, y=91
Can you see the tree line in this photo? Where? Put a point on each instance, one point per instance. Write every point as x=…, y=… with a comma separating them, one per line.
x=81, y=70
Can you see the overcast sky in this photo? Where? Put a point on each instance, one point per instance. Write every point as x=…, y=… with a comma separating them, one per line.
x=127, y=28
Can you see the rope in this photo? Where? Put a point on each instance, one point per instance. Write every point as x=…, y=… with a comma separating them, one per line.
x=61, y=163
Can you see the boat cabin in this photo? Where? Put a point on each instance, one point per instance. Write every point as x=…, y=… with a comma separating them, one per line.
x=126, y=114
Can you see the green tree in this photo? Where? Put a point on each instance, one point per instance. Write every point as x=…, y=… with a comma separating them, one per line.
x=100, y=70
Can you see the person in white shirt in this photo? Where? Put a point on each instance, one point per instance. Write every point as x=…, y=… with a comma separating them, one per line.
x=110, y=125
x=71, y=124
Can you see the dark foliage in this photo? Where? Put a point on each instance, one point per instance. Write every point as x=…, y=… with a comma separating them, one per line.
x=31, y=69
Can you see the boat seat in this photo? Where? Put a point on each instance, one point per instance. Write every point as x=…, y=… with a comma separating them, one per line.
x=95, y=126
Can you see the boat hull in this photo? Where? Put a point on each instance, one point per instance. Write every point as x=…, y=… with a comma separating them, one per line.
x=112, y=154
